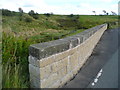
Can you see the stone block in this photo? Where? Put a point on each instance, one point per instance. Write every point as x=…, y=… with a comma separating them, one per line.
x=75, y=71
x=55, y=85
x=49, y=81
x=45, y=72
x=57, y=66
x=35, y=71
x=46, y=61
x=61, y=55
x=68, y=66
x=61, y=73
x=34, y=61
x=34, y=82
x=66, y=79
x=64, y=62
x=72, y=51
x=46, y=49
x=79, y=37
x=74, y=41
x=74, y=60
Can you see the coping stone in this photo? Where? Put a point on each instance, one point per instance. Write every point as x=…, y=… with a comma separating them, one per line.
x=42, y=50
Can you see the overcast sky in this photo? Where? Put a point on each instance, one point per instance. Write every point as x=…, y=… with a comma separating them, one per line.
x=62, y=6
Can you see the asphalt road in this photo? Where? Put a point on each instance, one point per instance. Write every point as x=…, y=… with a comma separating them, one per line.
x=108, y=77
x=101, y=69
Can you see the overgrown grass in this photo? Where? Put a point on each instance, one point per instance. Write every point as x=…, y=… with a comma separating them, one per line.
x=15, y=61
x=14, y=77
x=89, y=21
x=18, y=35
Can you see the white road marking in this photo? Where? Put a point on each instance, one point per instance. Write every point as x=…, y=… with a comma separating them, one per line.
x=101, y=70
x=93, y=84
x=97, y=77
x=99, y=74
x=95, y=80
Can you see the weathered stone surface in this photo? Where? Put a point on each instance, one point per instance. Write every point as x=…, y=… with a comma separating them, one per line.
x=68, y=66
x=46, y=61
x=55, y=85
x=61, y=56
x=49, y=81
x=46, y=49
x=66, y=79
x=45, y=72
x=34, y=82
x=75, y=70
x=62, y=72
x=85, y=34
x=59, y=65
x=35, y=71
x=81, y=53
x=74, y=60
x=65, y=61
x=56, y=66
x=73, y=41
x=72, y=51
x=79, y=37
x=34, y=61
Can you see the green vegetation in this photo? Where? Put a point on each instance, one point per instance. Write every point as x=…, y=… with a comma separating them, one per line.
x=22, y=29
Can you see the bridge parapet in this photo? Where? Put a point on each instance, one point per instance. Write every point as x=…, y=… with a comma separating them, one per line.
x=54, y=63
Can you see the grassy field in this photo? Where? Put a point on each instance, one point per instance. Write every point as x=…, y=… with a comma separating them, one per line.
x=19, y=34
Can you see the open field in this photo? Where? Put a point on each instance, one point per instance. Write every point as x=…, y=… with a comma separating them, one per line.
x=52, y=26
x=18, y=34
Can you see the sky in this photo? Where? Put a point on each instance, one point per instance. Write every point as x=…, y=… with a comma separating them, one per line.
x=81, y=7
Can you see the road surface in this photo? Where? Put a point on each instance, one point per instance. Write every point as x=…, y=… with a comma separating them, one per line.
x=108, y=77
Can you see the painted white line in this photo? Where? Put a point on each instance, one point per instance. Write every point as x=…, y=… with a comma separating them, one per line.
x=93, y=84
x=101, y=70
x=99, y=74
x=96, y=80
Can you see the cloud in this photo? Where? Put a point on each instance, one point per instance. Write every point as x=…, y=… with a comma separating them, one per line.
x=28, y=5
x=108, y=1
x=60, y=6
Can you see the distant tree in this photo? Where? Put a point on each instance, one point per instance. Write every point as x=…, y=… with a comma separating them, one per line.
x=33, y=14
x=94, y=12
x=113, y=13
x=6, y=12
x=47, y=14
x=104, y=12
x=107, y=13
x=21, y=11
x=36, y=16
x=71, y=15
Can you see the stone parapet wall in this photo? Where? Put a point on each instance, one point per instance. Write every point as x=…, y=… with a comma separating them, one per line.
x=54, y=63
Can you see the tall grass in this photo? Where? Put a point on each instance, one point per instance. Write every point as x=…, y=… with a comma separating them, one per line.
x=15, y=61
x=12, y=77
